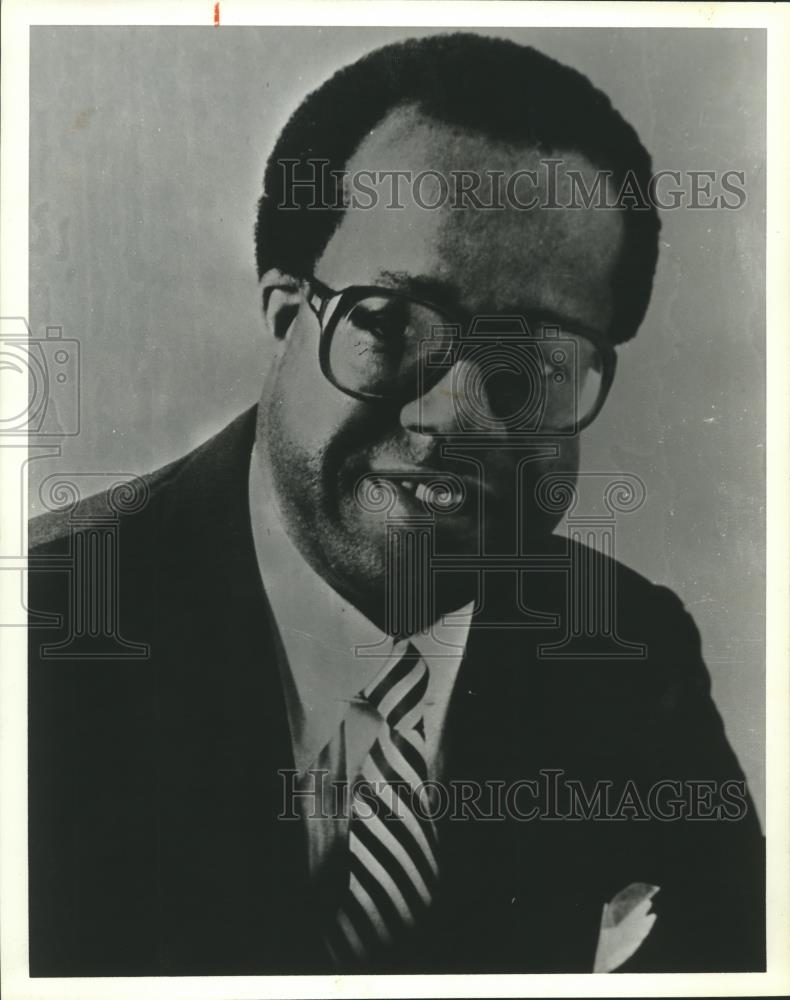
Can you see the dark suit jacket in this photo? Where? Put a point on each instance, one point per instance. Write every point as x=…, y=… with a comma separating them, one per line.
x=155, y=847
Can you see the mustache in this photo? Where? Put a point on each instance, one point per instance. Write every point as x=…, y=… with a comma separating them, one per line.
x=357, y=456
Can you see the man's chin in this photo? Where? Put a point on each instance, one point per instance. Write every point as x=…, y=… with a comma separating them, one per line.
x=375, y=533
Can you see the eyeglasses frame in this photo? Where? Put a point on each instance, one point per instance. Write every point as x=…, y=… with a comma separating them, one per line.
x=320, y=295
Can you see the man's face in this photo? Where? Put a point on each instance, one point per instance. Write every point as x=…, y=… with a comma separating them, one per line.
x=323, y=443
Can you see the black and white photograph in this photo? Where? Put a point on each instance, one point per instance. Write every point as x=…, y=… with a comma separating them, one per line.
x=386, y=512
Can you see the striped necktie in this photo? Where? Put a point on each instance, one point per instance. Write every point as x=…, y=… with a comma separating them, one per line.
x=392, y=848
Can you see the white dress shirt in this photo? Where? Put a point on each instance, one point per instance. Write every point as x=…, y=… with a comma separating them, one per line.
x=329, y=651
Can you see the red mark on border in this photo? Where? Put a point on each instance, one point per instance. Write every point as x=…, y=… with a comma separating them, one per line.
x=216, y=15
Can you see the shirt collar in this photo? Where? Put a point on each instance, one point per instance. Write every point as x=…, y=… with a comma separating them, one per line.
x=332, y=649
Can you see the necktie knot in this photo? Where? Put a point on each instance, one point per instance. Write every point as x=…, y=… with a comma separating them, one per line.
x=397, y=693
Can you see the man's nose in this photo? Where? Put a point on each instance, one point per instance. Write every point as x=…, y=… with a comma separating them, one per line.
x=457, y=403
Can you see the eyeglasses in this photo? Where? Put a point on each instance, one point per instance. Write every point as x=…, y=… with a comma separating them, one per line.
x=379, y=344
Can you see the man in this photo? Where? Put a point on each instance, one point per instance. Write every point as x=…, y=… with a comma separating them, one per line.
x=354, y=608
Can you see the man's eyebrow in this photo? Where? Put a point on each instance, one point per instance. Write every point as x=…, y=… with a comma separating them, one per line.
x=445, y=293
x=569, y=324
x=422, y=286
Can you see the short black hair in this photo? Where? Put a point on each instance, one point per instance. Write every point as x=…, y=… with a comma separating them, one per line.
x=506, y=91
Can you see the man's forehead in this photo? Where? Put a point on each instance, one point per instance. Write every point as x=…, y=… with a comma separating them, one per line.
x=408, y=137
x=543, y=258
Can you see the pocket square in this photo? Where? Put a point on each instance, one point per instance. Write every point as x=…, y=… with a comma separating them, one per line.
x=625, y=923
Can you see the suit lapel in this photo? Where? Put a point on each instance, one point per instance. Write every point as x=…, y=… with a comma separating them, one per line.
x=233, y=878
x=523, y=885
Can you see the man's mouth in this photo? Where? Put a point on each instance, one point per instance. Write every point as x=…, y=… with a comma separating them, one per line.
x=439, y=496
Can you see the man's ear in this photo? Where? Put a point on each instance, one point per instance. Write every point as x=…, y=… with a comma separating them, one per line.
x=281, y=296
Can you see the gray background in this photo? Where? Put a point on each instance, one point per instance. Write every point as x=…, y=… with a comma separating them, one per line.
x=147, y=148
